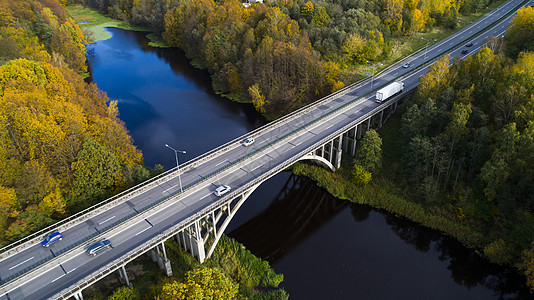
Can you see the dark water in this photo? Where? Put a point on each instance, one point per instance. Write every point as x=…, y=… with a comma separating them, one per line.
x=326, y=248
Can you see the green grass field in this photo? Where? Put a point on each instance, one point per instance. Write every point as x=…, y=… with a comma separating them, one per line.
x=93, y=23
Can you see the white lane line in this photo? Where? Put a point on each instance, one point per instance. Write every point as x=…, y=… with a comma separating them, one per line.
x=59, y=277
x=21, y=263
x=71, y=270
x=222, y=162
x=143, y=231
x=172, y=187
x=265, y=140
x=255, y=168
x=331, y=125
x=205, y=196
x=106, y=220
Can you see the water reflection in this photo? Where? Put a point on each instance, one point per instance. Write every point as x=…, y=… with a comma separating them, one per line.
x=467, y=268
x=163, y=100
x=295, y=213
x=300, y=212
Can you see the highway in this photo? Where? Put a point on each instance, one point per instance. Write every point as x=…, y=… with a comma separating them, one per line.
x=67, y=263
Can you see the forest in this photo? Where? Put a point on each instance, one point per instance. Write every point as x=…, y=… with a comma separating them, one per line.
x=468, y=143
x=281, y=55
x=460, y=157
x=62, y=145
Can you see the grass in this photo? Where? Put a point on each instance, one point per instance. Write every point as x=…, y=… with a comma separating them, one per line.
x=93, y=23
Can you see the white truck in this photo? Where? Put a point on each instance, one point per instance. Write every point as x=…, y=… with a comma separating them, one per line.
x=388, y=91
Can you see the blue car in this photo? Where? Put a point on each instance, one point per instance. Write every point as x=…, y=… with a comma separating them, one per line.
x=98, y=247
x=54, y=237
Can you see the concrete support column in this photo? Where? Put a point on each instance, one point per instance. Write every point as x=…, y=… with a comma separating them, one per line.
x=381, y=116
x=395, y=106
x=197, y=244
x=163, y=250
x=346, y=141
x=359, y=130
x=123, y=276
x=78, y=295
x=369, y=123
x=339, y=152
x=331, y=152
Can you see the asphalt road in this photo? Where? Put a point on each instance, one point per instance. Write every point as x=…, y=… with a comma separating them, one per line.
x=74, y=265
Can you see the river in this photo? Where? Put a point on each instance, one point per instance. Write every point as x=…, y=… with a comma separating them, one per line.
x=325, y=247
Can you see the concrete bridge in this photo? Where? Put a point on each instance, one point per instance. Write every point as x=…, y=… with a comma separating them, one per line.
x=179, y=204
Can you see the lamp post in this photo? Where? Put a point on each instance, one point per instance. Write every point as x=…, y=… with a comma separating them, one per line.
x=373, y=66
x=426, y=47
x=177, y=164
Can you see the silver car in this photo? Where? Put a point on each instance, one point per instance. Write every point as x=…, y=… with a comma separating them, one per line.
x=223, y=189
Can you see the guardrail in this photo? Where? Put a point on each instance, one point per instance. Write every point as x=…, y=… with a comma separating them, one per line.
x=192, y=163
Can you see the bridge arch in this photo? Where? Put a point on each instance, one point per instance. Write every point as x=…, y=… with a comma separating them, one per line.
x=321, y=160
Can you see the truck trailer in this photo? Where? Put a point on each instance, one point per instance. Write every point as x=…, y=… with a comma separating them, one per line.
x=391, y=90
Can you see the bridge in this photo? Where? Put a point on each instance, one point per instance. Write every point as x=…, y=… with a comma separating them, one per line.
x=180, y=205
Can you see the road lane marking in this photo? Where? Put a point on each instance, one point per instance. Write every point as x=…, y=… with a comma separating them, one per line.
x=142, y=231
x=255, y=168
x=205, y=196
x=106, y=220
x=59, y=277
x=222, y=162
x=71, y=270
x=172, y=187
x=21, y=263
x=265, y=140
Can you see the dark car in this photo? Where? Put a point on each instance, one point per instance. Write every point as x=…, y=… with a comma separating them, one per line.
x=98, y=247
x=54, y=237
x=469, y=44
x=465, y=51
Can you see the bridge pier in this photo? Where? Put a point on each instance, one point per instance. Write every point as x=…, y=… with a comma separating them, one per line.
x=191, y=240
x=123, y=276
x=160, y=257
x=381, y=116
x=78, y=295
x=339, y=149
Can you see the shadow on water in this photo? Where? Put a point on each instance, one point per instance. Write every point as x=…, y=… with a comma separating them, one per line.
x=295, y=213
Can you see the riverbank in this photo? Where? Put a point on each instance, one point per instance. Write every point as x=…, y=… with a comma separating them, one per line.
x=94, y=25
x=384, y=192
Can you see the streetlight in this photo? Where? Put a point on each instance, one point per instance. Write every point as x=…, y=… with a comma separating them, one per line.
x=177, y=164
x=426, y=47
x=373, y=66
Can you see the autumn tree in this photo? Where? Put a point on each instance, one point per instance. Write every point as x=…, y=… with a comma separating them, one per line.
x=201, y=283
x=95, y=170
x=520, y=34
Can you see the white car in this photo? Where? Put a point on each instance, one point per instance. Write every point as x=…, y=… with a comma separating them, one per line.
x=406, y=65
x=223, y=189
x=248, y=142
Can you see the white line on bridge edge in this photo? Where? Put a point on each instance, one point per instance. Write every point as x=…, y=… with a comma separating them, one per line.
x=106, y=220
x=143, y=231
x=21, y=263
x=59, y=277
